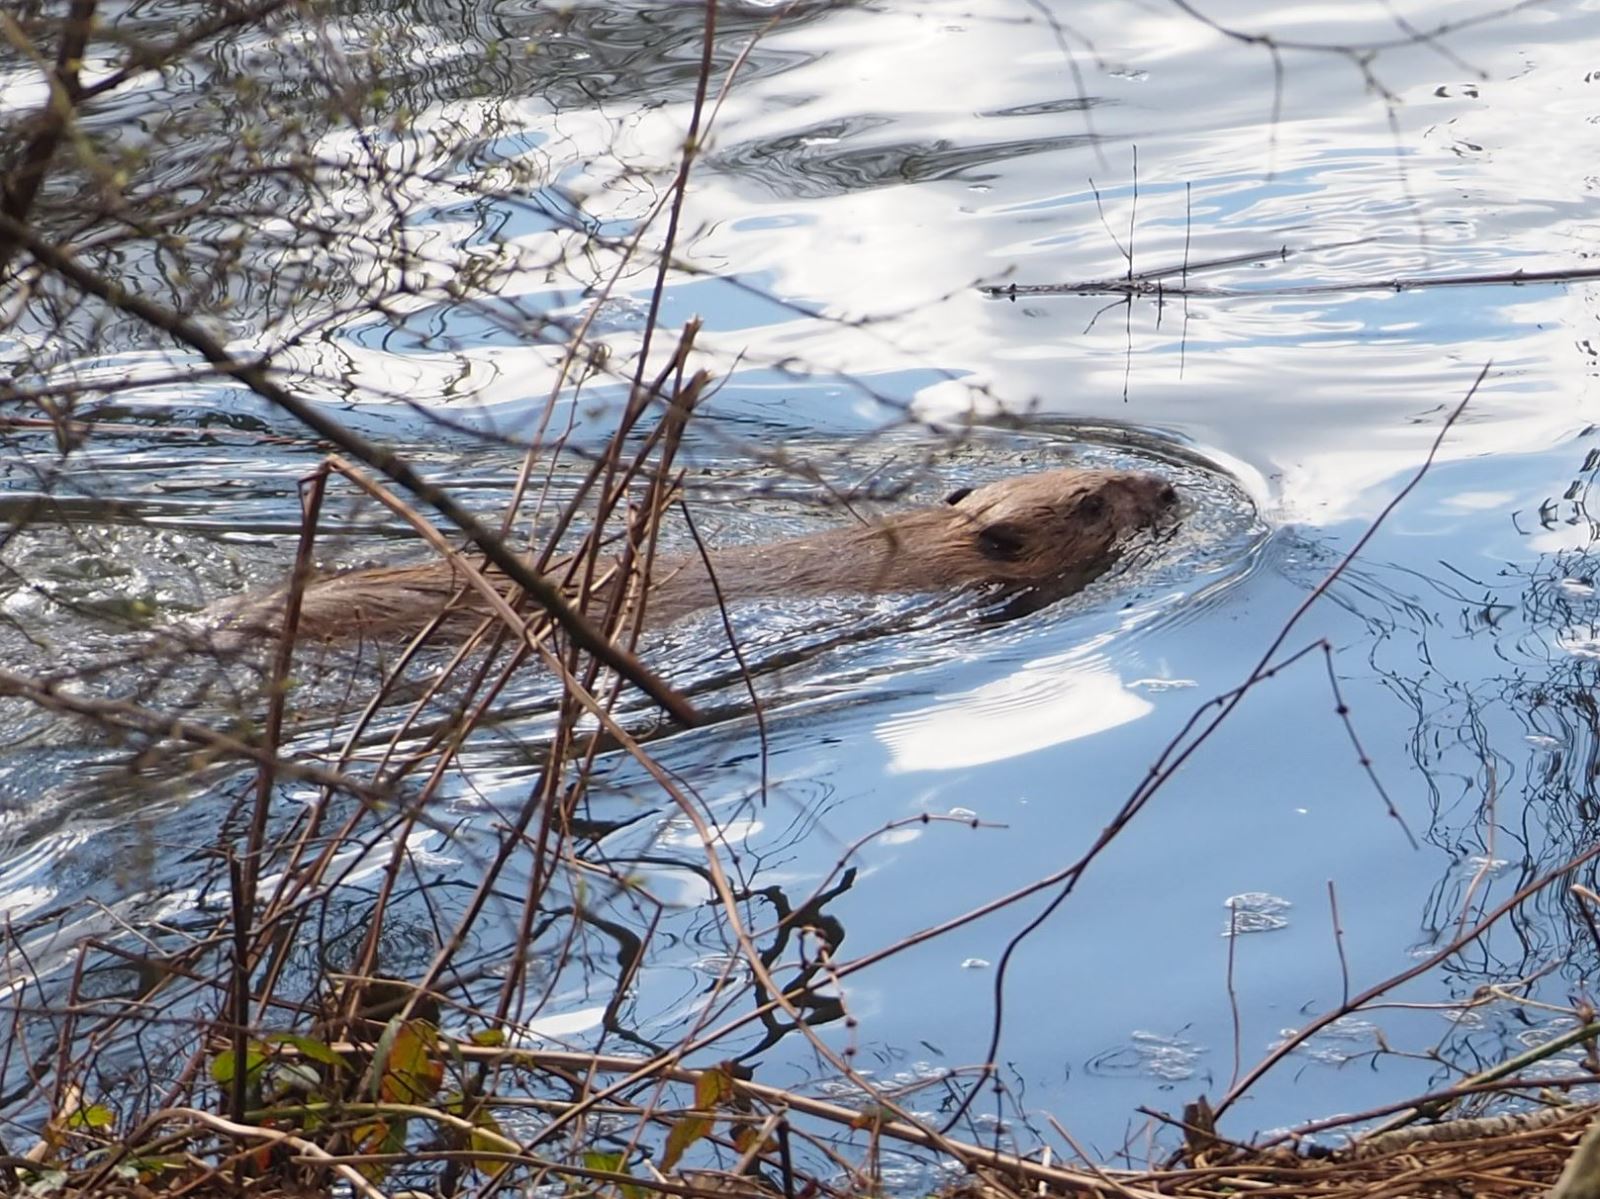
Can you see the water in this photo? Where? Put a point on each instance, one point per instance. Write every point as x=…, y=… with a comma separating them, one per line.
x=869, y=172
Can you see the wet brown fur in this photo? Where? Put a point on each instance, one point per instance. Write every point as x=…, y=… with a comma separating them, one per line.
x=1054, y=530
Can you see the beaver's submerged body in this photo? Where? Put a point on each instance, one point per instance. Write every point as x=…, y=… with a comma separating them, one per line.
x=1054, y=531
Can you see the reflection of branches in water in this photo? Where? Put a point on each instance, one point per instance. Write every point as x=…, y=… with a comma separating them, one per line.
x=1499, y=676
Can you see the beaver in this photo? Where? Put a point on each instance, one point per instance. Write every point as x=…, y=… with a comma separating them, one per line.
x=1047, y=534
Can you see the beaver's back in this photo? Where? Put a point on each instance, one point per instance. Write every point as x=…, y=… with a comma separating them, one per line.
x=1059, y=527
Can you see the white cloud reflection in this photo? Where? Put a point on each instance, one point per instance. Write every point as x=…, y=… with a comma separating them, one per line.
x=1045, y=703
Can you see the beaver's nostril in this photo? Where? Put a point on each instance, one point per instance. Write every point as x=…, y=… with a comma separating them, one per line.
x=1168, y=495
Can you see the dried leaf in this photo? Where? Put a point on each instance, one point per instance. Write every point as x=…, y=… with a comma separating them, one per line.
x=744, y=1138
x=714, y=1088
x=412, y=1070
x=683, y=1134
x=380, y=1136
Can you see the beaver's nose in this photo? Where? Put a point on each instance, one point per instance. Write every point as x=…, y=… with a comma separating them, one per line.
x=1167, y=496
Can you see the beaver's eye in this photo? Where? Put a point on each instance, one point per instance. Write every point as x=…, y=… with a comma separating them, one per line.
x=1092, y=506
x=1001, y=542
x=959, y=494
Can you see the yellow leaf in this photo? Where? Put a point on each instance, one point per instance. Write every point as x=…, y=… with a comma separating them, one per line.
x=609, y=1162
x=96, y=1115
x=380, y=1136
x=683, y=1134
x=487, y=1143
x=713, y=1088
x=412, y=1070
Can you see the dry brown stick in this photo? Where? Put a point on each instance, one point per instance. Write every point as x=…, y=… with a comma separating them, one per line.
x=552, y=806
x=662, y=489
x=1151, y=285
x=238, y=1006
x=632, y=411
x=520, y=653
x=605, y=472
x=579, y=695
x=20, y=187
x=422, y=638
x=348, y=1173
x=676, y=194
x=638, y=1069
x=1293, y=1042
x=1117, y=1185
x=81, y=430
x=679, y=189
x=54, y=696
x=1378, y=1143
x=757, y=709
x=603, y=293
x=725, y=897
x=574, y=342
x=758, y=967
x=474, y=579
x=644, y=529
x=256, y=376
x=1498, y=1071
x=1338, y=943
x=292, y=883
x=315, y=485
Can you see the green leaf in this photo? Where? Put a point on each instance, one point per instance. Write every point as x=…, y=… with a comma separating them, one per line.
x=224, y=1068
x=96, y=1115
x=152, y=1166
x=316, y=1050
x=610, y=1162
x=489, y=1167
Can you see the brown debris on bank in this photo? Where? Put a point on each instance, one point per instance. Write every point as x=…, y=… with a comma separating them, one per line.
x=1520, y=1154
x=1516, y=1155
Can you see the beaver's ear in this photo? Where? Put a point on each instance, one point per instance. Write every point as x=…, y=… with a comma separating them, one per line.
x=1092, y=505
x=1002, y=542
x=959, y=494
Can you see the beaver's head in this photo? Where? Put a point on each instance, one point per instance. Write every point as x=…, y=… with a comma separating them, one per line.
x=1056, y=525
